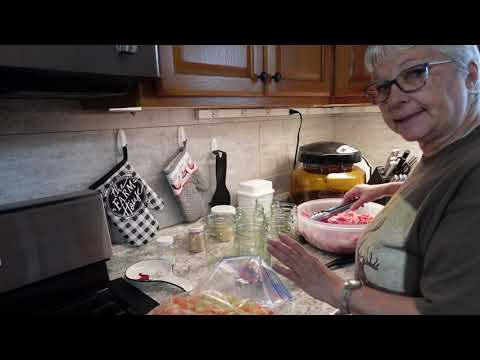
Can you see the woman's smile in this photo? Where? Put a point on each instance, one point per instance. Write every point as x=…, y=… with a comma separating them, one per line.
x=407, y=118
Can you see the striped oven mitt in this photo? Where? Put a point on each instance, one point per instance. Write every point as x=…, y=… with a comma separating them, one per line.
x=128, y=201
x=187, y=184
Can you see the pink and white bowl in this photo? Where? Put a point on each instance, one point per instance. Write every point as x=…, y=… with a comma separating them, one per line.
x=334, y=238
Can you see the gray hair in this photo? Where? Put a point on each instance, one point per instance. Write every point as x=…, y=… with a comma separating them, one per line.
x=462, y=55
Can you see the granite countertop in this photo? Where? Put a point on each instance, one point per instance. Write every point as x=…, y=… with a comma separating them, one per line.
x=193, y=267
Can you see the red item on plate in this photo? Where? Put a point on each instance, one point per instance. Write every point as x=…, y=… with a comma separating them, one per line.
x=143, y=277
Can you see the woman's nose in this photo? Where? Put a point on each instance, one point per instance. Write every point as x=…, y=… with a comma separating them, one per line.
x=397, y=96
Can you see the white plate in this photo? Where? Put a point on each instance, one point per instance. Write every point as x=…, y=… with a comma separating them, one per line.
x=156, y=270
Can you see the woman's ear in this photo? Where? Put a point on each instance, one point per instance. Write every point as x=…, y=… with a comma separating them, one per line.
x=472, y=78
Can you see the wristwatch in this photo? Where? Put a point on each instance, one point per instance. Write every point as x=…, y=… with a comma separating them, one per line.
x=348, y=287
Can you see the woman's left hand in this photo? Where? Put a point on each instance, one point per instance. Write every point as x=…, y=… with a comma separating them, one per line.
x=305, y=270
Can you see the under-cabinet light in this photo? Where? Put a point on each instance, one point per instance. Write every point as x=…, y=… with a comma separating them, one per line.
x=125, y=109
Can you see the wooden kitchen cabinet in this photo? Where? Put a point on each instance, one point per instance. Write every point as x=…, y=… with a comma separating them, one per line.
x=299, y=70
x=229, y=76
x=235, y=70
x=210, y=70
x=351, y=75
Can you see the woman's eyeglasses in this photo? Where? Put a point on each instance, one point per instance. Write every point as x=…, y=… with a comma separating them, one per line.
x=409, y=81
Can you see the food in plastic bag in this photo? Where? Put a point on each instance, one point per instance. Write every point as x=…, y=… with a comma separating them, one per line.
x=238, y=286
x=207, y=303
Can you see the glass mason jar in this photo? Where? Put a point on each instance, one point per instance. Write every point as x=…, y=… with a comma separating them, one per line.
x=283, y=218
x=247, y=215
x=250, y=240
x=251, y=233
x=219, y=238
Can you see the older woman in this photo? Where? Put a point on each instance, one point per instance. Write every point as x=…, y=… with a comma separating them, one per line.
x=421, y=255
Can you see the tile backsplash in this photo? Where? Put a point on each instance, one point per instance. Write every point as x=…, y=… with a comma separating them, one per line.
x=370, y=134
x=52, y=147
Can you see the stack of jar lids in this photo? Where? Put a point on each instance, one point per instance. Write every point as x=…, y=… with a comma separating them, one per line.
x=223, y=210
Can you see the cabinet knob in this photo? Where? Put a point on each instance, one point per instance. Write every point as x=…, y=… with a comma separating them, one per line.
x=277, y=77
x=263, y=76
x=126, y=49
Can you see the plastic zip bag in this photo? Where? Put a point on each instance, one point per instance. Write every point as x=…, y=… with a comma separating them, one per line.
x=238, y=286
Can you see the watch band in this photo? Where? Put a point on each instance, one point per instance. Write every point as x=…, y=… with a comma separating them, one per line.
x=348, y=288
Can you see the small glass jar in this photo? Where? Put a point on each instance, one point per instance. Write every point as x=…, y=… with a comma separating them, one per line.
x=197, y=236
x=219, y=239
x=224, y=222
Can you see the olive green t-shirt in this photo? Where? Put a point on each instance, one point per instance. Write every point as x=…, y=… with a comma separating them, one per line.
x=425, y=243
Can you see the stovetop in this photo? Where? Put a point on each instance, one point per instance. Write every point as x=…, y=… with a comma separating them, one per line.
x=82, y=292
x=119, y=298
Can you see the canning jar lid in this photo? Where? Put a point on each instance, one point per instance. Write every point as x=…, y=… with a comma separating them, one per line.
x=196, y=228
x=329, y=153
x=223, y=210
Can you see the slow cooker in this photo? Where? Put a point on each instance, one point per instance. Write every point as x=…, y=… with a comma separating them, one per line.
x=327, y=170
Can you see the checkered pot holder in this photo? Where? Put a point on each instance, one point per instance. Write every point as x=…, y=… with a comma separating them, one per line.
x=128, y=201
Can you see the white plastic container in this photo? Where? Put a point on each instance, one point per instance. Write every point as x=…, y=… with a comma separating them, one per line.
x=255, y=191
x=333, y=238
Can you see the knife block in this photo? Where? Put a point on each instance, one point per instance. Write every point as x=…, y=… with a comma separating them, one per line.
x=378, y=177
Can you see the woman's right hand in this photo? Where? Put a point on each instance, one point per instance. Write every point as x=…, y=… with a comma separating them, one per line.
x=365, y=193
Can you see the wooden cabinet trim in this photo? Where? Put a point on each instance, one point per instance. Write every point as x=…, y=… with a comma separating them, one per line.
x=349, y=81
x=183, y=78
x=299, y=87
x=185, y=67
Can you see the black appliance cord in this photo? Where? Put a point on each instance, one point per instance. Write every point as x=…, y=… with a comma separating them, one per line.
x=291, y=112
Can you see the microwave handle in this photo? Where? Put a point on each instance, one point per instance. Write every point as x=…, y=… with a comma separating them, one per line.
x=126, y=49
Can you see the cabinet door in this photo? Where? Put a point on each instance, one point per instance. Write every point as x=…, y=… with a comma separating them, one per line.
x=210, y=70
x=351, y=75
x=304, y=70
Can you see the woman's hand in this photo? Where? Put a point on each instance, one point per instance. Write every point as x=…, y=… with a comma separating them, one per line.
x=305, y=270
x=308, y=273
x=365, y=193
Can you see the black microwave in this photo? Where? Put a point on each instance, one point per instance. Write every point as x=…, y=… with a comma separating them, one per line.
x=74, y=71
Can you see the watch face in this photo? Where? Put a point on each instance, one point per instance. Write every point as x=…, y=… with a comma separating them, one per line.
x=353, y=284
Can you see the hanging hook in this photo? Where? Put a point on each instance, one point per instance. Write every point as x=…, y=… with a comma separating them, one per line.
x=182, y=137
x=121, y=140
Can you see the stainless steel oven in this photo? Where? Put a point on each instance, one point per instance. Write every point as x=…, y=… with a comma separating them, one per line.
x=53, y=254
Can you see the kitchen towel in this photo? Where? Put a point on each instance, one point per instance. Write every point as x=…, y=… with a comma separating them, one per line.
x=128, y=200
x=187, y=184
